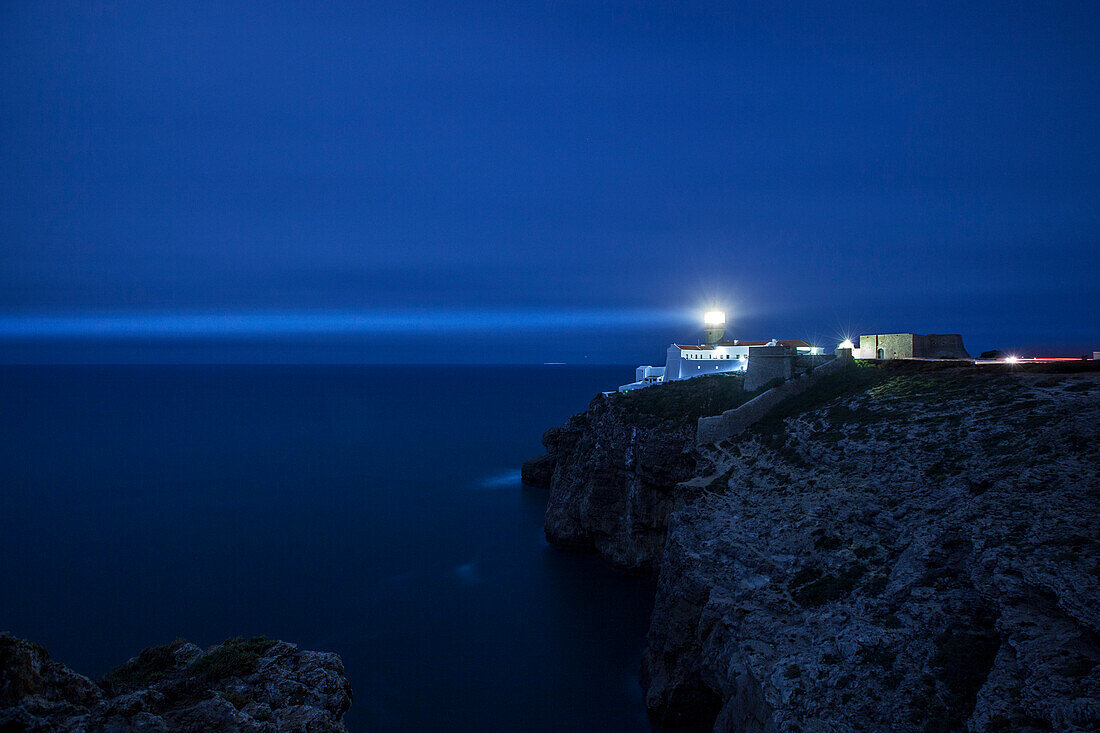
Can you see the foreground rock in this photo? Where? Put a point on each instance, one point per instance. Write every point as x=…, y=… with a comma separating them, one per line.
x=893, y=550
x=254, y=685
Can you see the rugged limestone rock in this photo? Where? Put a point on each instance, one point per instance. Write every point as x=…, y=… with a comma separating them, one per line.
x=539, y=471
x=611, y=479
x=254, y=685
x=919, y=555
x=901, y=548
x=612, y=470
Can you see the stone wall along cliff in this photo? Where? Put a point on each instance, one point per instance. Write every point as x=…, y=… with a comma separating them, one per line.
x=731, y=423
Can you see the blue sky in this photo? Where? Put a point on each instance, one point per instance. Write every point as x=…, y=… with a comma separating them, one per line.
x=577, y=177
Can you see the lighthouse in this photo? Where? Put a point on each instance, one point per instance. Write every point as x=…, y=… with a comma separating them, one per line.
x=714, y=325
x=715, y=356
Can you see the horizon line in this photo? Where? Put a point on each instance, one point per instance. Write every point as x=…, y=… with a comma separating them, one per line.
x=258, y=323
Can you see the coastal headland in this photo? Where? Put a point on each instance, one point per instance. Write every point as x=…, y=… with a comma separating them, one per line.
x=904, y=545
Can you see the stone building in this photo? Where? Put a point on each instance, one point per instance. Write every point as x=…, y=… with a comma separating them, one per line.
x=715, y=356
x=684, y=361
x=911, y=346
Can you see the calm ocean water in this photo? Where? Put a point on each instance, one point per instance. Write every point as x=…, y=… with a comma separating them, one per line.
x=372, y=511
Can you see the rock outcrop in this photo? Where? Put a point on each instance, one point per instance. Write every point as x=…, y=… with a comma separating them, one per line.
x=899, y=548
x=611, y=479
x=254, y=686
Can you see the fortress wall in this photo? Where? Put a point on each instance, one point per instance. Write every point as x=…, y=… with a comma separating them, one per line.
x=766, y=364
x=733, y=422
x=943, y=346
x=896, y=345
x=910, y=346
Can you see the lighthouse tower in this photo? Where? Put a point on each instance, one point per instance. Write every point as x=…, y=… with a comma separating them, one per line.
x=714, y=325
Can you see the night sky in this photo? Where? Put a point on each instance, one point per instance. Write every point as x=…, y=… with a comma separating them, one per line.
x=543, y=181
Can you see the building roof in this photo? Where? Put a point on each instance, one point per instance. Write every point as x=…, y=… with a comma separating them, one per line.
x=799, y=343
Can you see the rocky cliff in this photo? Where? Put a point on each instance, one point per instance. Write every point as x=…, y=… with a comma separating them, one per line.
x=254, y=685
x=612, y=470
x=896, y=549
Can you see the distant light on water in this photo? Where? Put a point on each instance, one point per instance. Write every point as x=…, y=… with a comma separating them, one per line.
x=504, y=480
x=137, y=325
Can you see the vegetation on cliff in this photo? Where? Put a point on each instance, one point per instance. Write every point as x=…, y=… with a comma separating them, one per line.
x=682, y=402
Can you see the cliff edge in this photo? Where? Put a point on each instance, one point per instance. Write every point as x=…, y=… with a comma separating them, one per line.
x=249, y=685
x=905, y=547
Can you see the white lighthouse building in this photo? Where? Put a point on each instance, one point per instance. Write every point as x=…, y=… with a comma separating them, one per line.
x=714, y=356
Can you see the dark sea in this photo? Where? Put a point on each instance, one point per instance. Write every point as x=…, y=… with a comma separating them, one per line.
x=374, y=511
